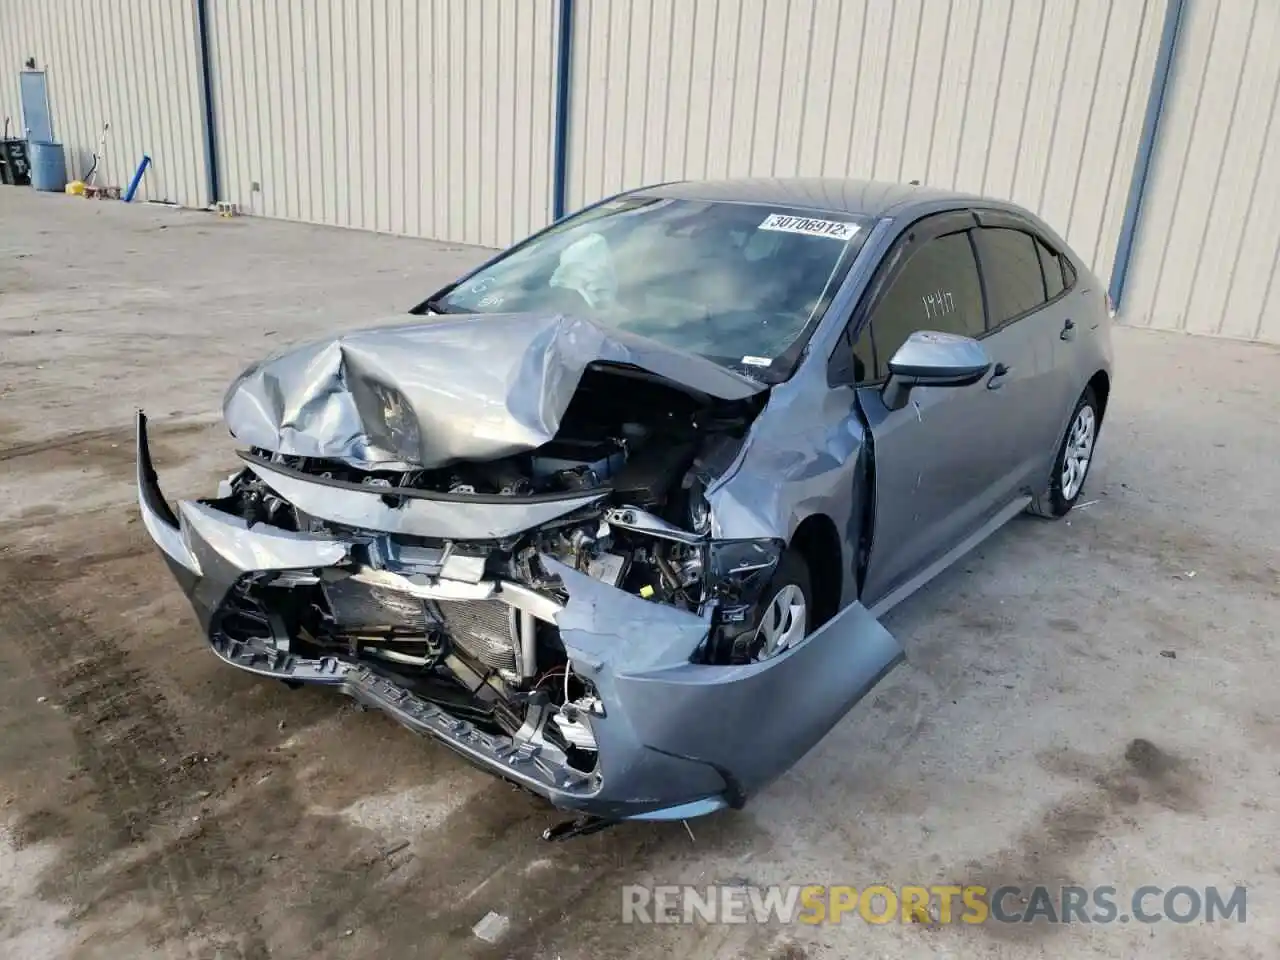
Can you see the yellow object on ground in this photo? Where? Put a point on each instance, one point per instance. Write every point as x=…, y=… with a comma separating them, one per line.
x=76, y=188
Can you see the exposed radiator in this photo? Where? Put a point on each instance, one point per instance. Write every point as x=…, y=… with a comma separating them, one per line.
x=357, y=605
x=485, y=629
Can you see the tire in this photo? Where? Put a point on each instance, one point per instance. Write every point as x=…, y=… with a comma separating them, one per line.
x=792, y=573
x=1066, y=485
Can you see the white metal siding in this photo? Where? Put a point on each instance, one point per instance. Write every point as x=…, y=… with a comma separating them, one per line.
x=424, y=117
x=130, y=63
x=1208, y=240
x=1039, y=101
x=435, y=117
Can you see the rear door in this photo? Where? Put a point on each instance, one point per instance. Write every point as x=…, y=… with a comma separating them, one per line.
x=1027, y=319
x=938, y=460
x=1075, y=317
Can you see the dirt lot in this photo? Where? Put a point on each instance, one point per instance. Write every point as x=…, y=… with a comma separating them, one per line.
x=155, y=803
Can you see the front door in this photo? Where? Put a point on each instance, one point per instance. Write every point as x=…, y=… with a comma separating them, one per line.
x=937, y=460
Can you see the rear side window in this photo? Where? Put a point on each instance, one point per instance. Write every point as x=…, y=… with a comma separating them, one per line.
x=1052, y=267
x=938, y=289
x=1011, y=269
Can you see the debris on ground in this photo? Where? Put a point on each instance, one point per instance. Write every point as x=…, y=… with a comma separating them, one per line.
x=393, y=849
x=491, y=928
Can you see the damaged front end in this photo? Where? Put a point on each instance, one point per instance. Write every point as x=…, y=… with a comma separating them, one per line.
x=559, y=615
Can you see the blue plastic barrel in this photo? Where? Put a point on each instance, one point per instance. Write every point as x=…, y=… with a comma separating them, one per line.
x=48, y=166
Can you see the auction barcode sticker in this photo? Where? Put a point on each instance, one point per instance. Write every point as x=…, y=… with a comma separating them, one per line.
x=809, y=226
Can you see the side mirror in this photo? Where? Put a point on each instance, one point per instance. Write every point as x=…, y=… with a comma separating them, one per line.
x=933, y=359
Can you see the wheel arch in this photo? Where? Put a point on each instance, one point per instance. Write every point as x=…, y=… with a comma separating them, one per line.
x=817, y=540
x=1101, y=384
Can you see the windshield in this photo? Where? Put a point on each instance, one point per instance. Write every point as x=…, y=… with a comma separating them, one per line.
x=740, y=284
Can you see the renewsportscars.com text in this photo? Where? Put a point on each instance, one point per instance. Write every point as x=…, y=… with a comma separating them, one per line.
x=944, y=904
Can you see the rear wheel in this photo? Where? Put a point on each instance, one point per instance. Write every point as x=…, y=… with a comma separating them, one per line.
x=785, y=612
x=1071, y=466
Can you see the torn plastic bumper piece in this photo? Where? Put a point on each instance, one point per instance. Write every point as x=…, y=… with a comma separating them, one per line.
x=208, y=550
x=750, y=722
x=676, y=738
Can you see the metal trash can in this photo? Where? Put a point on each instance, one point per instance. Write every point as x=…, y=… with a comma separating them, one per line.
x=15, y=169
x=48, y=166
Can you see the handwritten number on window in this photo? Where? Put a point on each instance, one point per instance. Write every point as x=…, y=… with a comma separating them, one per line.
x=939, y=303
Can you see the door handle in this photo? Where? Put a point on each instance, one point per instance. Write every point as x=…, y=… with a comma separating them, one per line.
x=1068, y=330
x=996, y=380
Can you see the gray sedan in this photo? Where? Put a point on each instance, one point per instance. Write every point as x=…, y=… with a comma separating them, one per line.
x=614, y=515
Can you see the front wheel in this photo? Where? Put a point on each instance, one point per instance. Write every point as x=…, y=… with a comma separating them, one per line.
x=785, y=612
x=1071, y=466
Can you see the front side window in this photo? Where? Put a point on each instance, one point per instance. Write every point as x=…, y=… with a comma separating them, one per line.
x=937, y=289
x=740, y=284
x=1011, y=269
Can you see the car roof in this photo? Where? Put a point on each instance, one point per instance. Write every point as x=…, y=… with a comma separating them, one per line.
x=868, y=198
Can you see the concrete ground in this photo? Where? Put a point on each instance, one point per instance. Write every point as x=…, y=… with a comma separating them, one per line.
x=1090, y=702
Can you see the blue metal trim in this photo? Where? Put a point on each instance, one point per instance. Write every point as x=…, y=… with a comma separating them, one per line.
x=1146, y=147
x=206, y=88
x=560, y=158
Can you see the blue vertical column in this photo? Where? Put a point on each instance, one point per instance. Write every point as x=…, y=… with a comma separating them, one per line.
x=1146, y=148
x=560, y=146
x=206, y=88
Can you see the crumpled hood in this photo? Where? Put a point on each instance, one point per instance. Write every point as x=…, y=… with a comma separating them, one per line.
x=426, y=394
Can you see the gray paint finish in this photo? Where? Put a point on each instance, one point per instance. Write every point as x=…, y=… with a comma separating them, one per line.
x=638, y=654
x=910, y=473
x=423, y=395
x=802, y=454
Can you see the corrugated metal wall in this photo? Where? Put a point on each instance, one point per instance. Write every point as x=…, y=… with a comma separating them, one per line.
x=435, y=117
x=425, y=117
x=1040, y=101
x=130, y=63
x=1208, y=242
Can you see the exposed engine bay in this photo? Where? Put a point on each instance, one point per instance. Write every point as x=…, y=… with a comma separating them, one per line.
x=426, y=611
x=515, y=534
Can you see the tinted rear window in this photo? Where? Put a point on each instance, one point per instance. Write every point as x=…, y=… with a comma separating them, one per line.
x=1052, y=266
x=1011, y=269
